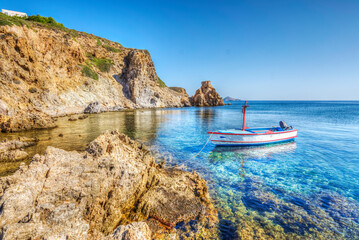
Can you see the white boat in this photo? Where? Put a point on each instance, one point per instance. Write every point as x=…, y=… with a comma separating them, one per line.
x=253, y=136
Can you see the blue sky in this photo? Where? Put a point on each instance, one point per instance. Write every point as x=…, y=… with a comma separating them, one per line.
x=255, y=49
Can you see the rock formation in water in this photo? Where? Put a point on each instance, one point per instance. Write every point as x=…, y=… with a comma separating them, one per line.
x=48, y=71
x=113, y=190
x=206, y=96
x=13, y=150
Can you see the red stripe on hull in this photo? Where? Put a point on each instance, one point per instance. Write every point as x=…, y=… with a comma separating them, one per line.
x=254, y=141
x=251, y=134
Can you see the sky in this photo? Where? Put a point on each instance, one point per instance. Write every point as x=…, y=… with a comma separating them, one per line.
x=248, y=49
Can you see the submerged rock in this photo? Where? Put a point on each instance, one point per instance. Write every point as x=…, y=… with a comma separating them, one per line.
x=114, y=189
x=206, y=96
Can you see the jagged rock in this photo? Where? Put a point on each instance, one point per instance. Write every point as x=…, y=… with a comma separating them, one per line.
x=94, y=107
x=41, y=76
x=141, y=83
x=206, y=96
x=132, y=231
x=89, y=195
x=185, y=98
x=25, y=121
x=12, y=150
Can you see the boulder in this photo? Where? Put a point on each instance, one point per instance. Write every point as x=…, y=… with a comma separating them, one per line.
x=206, y=96
x=94, y=107
x=114, y=189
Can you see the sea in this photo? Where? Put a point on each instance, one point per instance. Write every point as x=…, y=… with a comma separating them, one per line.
x=303, y=189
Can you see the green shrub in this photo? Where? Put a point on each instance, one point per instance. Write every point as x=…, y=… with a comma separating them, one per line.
x=103, y=64
x=10, y=21
x=161, y=83
x=46, y=20
x=88, y=72
x=4, y=22
x=111, y=49
x=99, y=43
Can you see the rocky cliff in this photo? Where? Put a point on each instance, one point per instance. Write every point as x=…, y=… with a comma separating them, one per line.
x=206, y=96
x=47, y=72
x=113, y=190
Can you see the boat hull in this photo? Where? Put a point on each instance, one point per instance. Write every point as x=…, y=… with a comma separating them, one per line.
x=250, y=139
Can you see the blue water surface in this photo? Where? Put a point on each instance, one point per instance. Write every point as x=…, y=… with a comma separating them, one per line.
x=307, y=188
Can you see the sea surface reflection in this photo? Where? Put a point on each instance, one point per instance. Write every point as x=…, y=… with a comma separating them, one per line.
x=307, y=189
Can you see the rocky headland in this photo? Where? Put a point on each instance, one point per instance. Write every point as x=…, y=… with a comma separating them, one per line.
x=113, y=190
x=206, y=96
x=48, y=71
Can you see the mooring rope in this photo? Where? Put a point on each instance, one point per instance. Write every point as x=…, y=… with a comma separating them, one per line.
x=204, y=145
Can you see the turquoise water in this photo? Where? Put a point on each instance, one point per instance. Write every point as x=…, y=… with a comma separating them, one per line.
x=309, y=187
x=303, y=189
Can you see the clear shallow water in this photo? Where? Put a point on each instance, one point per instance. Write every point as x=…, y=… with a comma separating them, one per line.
x=303, y=189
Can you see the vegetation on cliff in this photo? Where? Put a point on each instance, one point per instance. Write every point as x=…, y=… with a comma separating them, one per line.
x=88, y=72
x=45, y=70
x=161, y=83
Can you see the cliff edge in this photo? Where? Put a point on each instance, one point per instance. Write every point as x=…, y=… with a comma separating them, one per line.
x=47, y=71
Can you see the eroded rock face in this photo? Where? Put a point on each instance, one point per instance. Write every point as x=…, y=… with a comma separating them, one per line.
x=185, y=98
x=101, y=193
x=206, y=96
x=41, y=76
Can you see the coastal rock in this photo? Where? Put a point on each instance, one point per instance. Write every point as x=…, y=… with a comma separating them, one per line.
x=112, y=190
x=132, y=231
x=21, y=121
x=73, y=118
x=94, y=107
x=12, y=150
x=83, y=117
x=206, y=96
x=185, y=98
x=47, y=72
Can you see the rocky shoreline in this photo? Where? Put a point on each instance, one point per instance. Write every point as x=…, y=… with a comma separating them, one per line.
x=48, y=72
x=14, y=150
x=113, y=190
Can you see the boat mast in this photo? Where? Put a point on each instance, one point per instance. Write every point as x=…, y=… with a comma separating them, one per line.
x=244, y=109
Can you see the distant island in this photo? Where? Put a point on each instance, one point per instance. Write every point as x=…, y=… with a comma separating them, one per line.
x=231, y=99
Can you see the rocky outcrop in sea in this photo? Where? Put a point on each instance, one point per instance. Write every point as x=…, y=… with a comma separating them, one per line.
x=113, y=190
x=206, y=96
